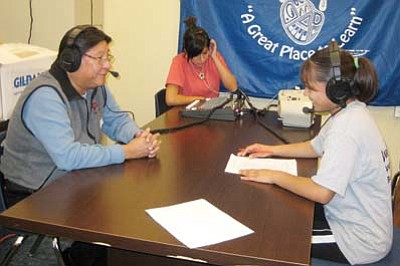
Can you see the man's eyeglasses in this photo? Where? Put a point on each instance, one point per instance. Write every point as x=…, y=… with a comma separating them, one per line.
x=101, y=59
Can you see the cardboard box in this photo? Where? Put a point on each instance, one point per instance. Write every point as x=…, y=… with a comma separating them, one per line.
x=19, y=64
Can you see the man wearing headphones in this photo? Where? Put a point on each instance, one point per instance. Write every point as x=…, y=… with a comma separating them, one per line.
x=58, y=120
x=353, y=216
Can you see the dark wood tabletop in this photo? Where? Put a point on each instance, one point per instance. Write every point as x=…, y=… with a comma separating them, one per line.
x=108, y=204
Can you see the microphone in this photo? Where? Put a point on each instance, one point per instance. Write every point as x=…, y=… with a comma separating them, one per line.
x=241, y=94
x=115, y=74
x=308, y=110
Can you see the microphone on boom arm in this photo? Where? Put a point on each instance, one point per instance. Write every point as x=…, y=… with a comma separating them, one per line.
x=308, y=110
x=115, y=74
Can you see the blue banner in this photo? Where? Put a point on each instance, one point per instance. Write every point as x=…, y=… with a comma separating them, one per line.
x=264, y=42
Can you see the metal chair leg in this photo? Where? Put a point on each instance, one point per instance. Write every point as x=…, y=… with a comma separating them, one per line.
x=35, y=245
x=57, y=251
x=13, y=250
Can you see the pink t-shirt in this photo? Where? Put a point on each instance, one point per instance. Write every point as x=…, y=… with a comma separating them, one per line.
x=186, y=76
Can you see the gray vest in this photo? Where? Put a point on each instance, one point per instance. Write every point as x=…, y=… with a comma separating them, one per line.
x=25, y=160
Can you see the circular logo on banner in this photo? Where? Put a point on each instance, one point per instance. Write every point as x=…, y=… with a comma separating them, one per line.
x=301, y=20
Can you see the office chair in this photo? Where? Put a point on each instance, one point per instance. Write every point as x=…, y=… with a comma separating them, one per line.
x=161, y=105
x=21, y=236
x=2, y=201
x=395, y=190
x=393, y=258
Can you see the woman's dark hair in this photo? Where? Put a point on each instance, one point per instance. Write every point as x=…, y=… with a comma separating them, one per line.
x=361, y=76
x=195, y=38
x=88, y=37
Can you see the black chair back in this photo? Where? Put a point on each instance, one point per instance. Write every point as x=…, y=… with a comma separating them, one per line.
x=3, y=132
x=395, y=188
x=161, y=104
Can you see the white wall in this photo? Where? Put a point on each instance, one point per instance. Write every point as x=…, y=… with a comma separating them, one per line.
x=390, y=128
x=145, y=37
x=86, y=13
x=51, y=19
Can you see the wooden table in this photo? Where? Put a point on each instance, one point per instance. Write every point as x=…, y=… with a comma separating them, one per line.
x=108, y=204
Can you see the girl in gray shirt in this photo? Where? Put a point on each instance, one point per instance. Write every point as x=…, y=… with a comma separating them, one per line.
x=353, y=219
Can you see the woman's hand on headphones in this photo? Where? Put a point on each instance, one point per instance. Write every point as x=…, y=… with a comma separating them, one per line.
x=213, y=48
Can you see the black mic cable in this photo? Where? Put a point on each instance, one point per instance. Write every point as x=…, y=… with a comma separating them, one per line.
x=258, y=120
x=270, y=130
x=311, y=111
x=115, y=74
x=103, y=90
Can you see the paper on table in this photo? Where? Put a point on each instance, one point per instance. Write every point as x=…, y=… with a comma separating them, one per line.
x=237, y=163
x=198, y=223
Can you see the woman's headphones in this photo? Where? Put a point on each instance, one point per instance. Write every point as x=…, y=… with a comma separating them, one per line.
x=338, y=89
x=71, y=56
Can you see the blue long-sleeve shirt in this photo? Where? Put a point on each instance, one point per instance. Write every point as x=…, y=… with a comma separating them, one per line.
x=50, y=124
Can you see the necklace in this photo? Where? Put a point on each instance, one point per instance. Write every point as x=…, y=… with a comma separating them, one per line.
x=201, y=74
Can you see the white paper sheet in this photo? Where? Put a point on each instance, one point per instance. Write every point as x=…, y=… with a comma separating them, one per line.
x=198, y=223
x=237, y=163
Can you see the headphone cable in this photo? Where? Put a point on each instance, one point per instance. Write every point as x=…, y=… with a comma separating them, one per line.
x=257, y=113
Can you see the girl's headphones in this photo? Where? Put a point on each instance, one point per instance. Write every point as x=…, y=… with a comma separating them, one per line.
x=338, y=89
x=71, y=56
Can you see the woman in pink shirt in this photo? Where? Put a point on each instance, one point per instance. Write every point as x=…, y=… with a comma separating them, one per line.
x=197, y=72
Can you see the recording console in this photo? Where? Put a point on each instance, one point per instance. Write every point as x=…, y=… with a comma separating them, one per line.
x=219, y=107
x=291, y=106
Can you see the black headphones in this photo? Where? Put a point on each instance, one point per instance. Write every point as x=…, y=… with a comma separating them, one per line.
x=71, y=56
x=338, y=89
